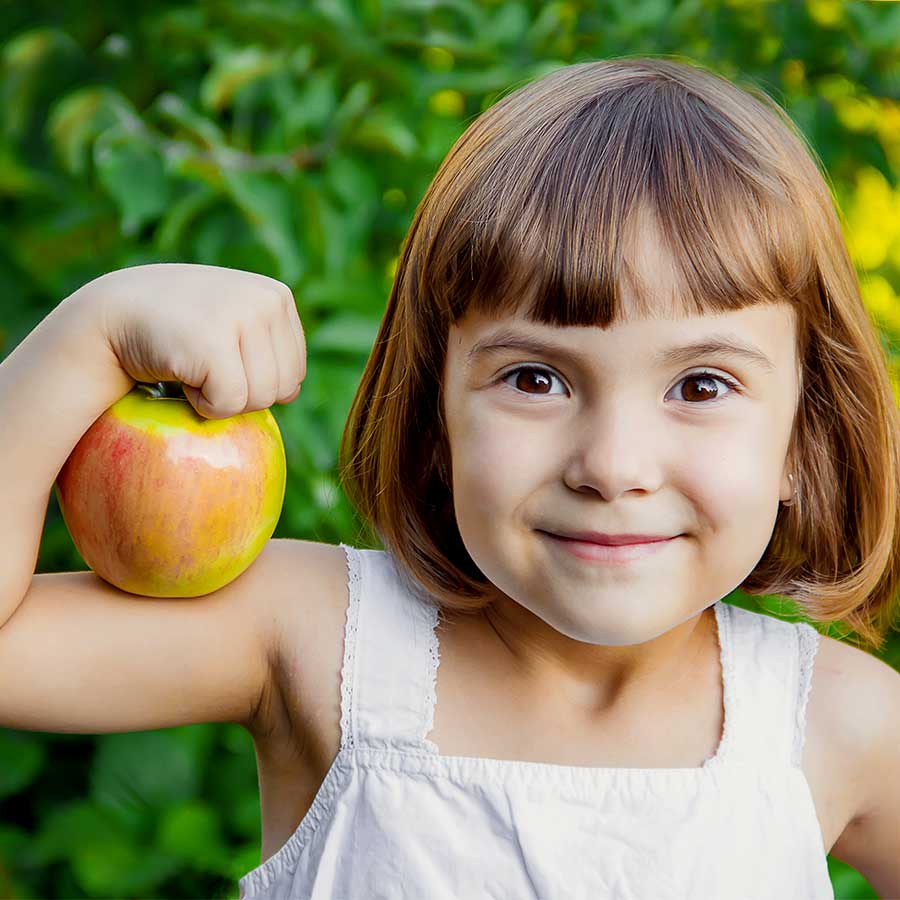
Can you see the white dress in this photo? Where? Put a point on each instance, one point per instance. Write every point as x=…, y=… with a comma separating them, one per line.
x=395, y=820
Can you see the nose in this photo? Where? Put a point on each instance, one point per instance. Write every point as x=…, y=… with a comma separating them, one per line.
x=616, y=448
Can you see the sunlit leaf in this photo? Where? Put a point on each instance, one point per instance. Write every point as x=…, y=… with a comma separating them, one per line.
x=26, y=63
x=173, y=109
x=383, y=129
x=233, y=71
x=79, y=117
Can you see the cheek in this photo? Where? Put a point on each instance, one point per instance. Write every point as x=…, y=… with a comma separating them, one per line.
x=730, y=474
x=734, y=490
x=496, y=466
x=493, y=455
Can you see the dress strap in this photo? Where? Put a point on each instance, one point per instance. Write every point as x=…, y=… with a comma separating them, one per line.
x=391, y=657
x=388, y=673
x=809, y=642
x=773, y=661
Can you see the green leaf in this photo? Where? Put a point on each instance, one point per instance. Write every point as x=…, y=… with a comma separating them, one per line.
x=117, y=867
x=25, y=61
x=12, y=841
x=508, y=27
x=134, y=774
x=169, y=107
x=15, y=844
x=337, y=293
x=384, y=129
x=223, y=237
x=355, y=102
x=22, y=757
x=133, y=173
x=351, y=182
x=181, y=215
x=192, y=833
x=313, y=106
x=77, y=119
x=233, y=71
x=68, y=827
x=17, y=180
x=346, y=333
x=108, y=861
x=266, y=201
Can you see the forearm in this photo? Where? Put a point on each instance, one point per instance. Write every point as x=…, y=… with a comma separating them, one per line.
x=53, y=387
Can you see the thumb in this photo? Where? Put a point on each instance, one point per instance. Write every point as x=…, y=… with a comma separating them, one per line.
x=198, y=401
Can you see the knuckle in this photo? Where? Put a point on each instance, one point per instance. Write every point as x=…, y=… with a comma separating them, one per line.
x=283, y=290
x=288, y=306
x=257, y=402
x=276, y=293
x=274, y=299
x=237, y=397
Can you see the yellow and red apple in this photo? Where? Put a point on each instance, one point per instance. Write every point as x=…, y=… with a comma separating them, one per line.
x=162, y=502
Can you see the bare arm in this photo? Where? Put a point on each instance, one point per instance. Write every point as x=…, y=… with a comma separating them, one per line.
x=53, y=387
x=76, y=653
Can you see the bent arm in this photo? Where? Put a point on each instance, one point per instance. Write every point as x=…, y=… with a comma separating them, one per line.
x=60, y=379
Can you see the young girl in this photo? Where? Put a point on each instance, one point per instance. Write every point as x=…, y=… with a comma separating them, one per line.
x=623, y=371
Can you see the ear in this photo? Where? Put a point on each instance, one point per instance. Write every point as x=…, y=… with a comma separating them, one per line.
x=787, y=488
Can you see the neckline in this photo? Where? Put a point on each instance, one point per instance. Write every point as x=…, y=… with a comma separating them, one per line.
x=723, y=619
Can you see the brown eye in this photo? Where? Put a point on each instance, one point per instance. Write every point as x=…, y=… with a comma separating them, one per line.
x=701, y=386
x=703, y=389
x=531, y=379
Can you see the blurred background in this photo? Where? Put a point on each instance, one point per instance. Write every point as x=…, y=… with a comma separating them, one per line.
x=296, y=139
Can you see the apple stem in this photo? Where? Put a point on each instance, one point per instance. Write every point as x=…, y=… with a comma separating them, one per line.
x=163, y=390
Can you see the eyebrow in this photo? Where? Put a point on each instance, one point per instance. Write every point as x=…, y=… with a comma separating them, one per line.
x=714, y=344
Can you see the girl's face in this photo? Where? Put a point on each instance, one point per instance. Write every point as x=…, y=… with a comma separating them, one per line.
x=614, y=432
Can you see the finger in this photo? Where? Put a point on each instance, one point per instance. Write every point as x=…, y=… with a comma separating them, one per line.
x=288, y=359
x=260, y=365
x=223, y=390
x=296, y=329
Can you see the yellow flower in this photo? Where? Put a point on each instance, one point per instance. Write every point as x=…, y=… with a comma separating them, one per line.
x=447, y=103
x=827, y=13
x=873, y=219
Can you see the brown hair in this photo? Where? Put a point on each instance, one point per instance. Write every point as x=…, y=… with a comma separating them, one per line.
x=533, y=204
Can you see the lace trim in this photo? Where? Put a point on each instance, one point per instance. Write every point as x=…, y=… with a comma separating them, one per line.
x=726, y=661
x=434, y=659
x=725, y=636
x=348, y=669
x=809, y=640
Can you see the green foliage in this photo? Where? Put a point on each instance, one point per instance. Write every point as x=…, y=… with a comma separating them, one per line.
x=295, y=139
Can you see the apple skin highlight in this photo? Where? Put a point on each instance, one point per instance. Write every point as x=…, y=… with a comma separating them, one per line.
x=162, y=502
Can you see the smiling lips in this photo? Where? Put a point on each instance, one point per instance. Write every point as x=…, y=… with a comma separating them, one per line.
x=631, y=549
x=611, y=540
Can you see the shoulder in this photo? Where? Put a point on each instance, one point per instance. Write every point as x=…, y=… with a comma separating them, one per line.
x=310, y=595
x=304, y=602
x=862, y=696
x=858, y=690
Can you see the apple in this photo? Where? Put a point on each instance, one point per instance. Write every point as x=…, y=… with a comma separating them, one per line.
x=162, y=502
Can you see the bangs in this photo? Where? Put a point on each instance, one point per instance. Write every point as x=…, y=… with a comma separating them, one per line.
x=644, y=191
x=658, y=187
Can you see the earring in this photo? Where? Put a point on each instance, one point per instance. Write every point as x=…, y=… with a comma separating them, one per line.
x=794, y=495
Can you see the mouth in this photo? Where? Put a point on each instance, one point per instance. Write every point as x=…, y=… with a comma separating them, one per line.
x=610, y=553
x=611, y=540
